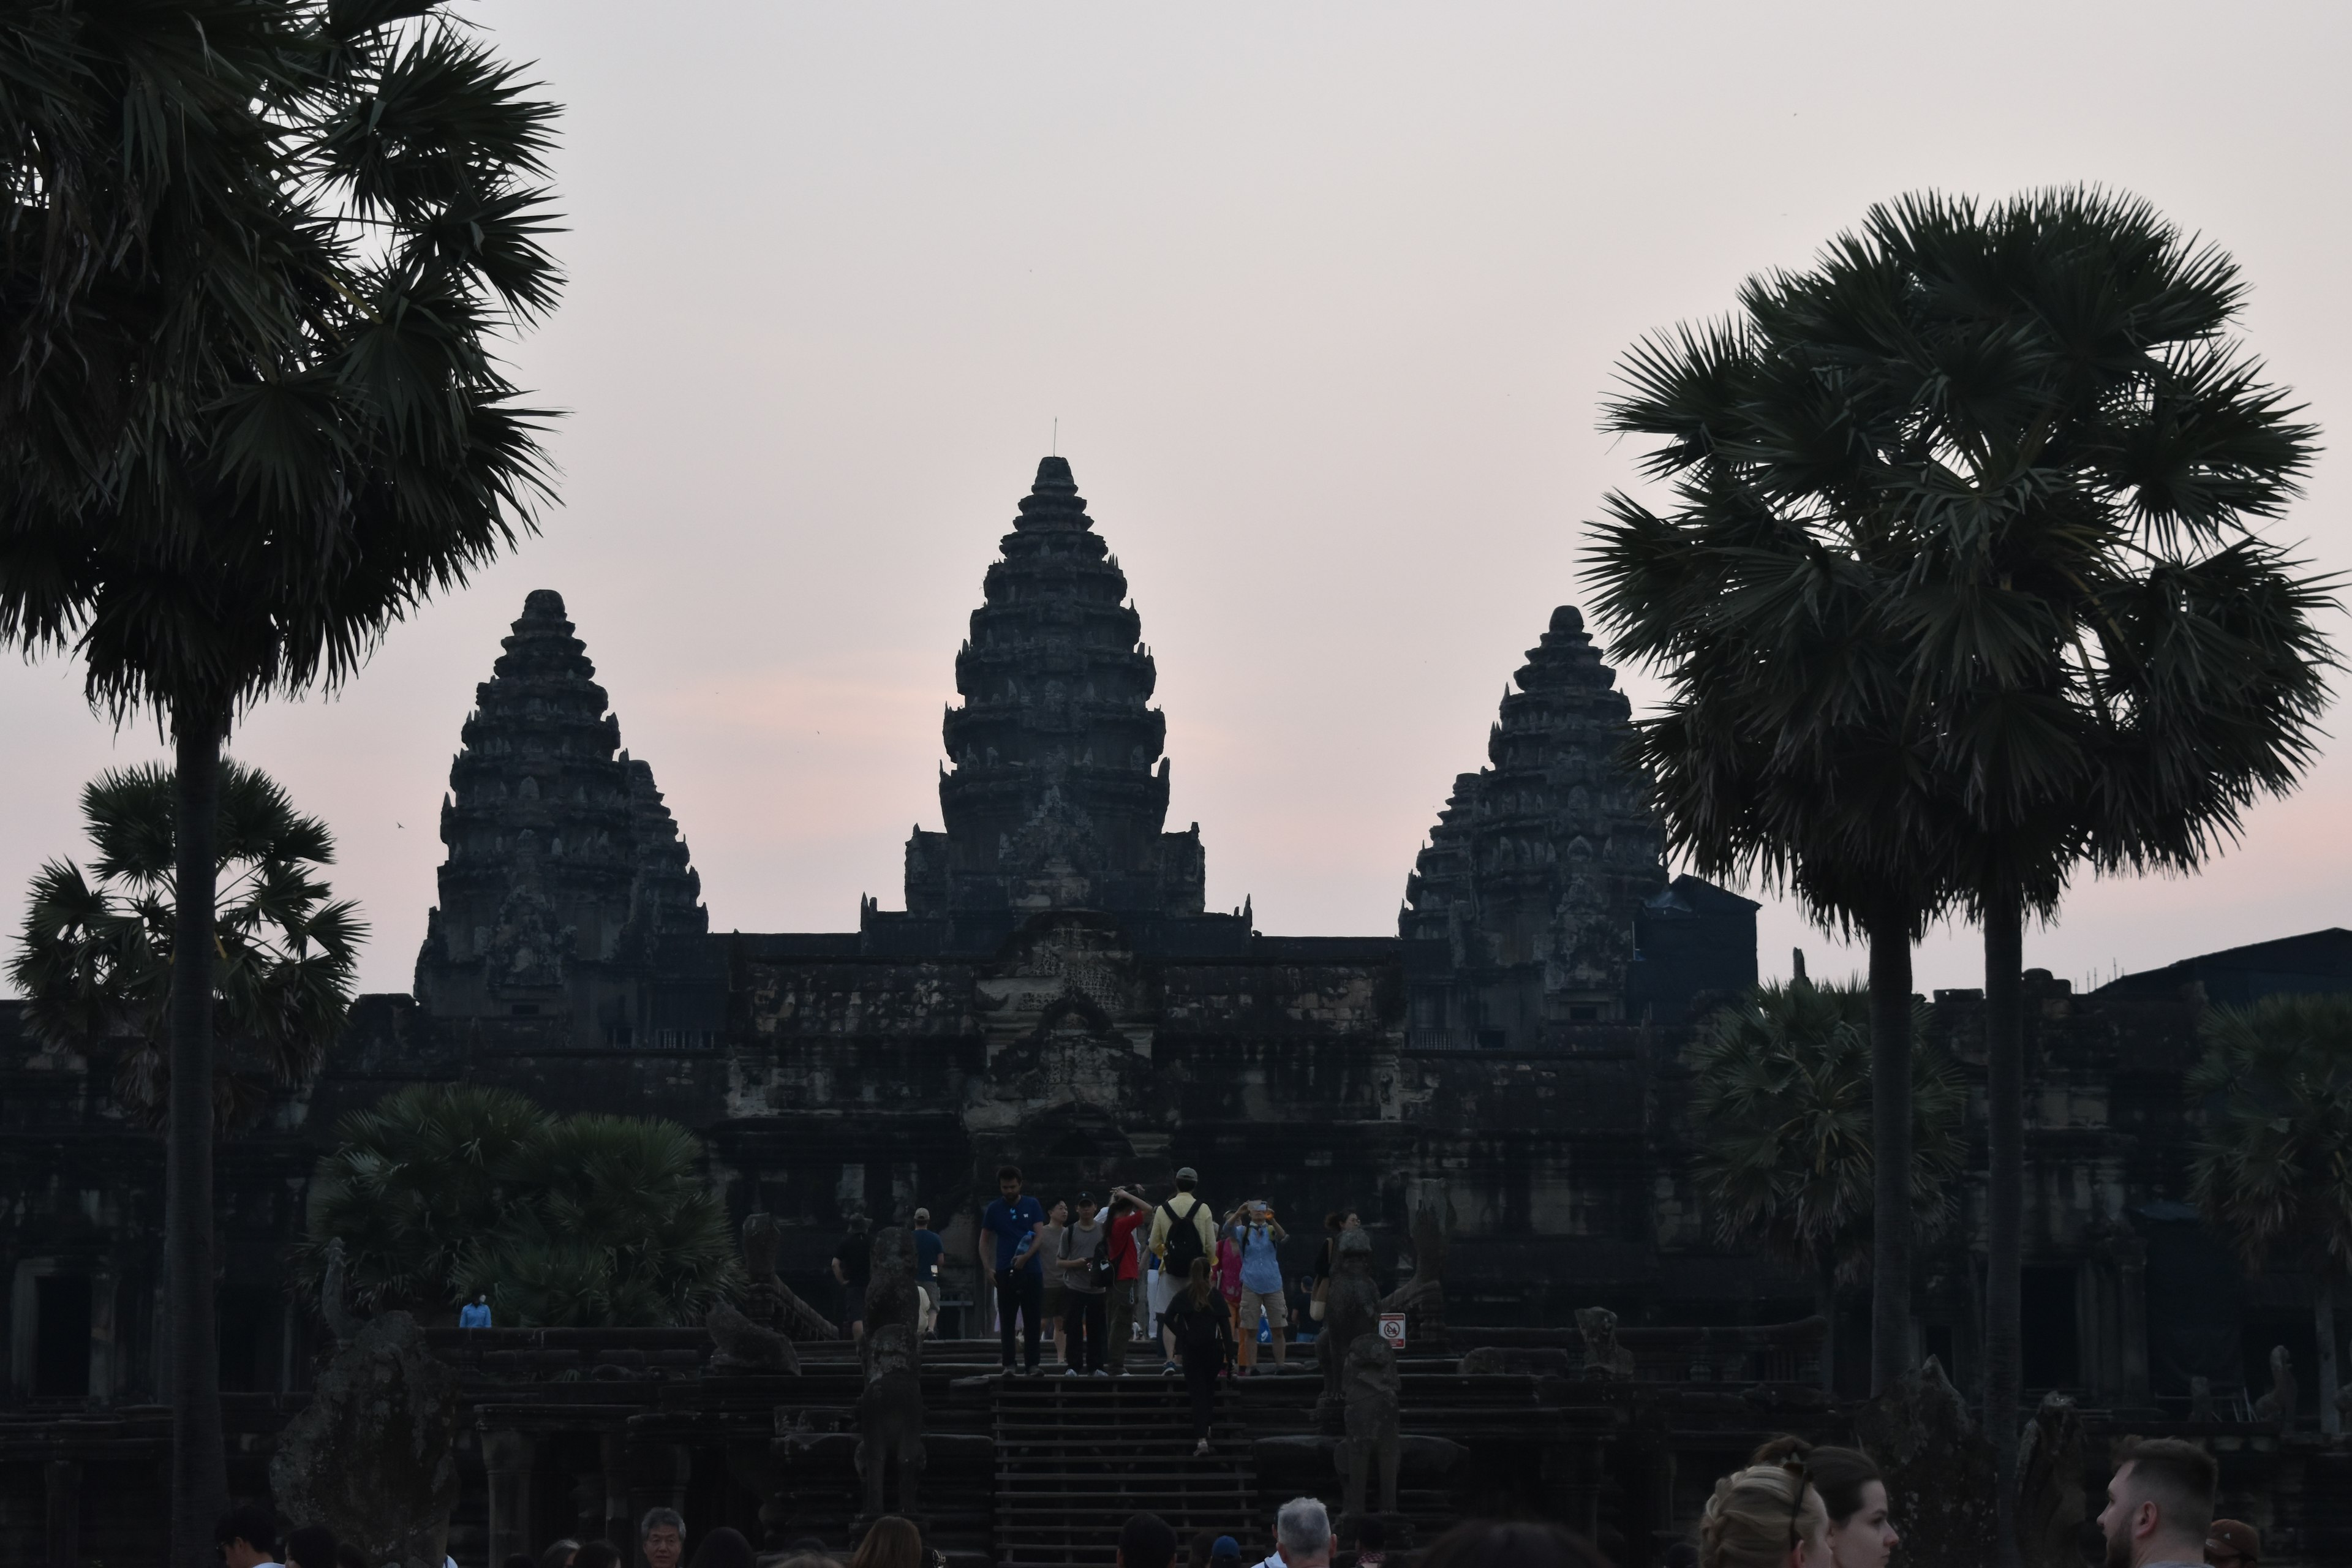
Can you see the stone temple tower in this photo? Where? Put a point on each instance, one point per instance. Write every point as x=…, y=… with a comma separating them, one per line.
x=1055, y=794
x=1543, y=866
x=565, y=872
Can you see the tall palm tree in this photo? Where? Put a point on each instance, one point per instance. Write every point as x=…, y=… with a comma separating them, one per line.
x=2273, y=1172
x=248, y=413
x=96, y=961
x=2030, y=420
x=1783, y=1101
x=1785, y=748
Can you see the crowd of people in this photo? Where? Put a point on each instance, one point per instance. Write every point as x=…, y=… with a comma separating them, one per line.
x=1100, y=1275
x=1795, y=1505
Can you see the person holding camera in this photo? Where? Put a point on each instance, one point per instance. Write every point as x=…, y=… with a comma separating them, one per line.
x=1086, y=1270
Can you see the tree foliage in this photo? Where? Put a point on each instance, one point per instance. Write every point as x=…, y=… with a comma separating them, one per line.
x=445, y=1191
x=95, y=961
x=1781, y=1099
x=2273, y=1172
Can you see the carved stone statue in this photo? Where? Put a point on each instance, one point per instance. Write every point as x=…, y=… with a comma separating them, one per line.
x=769, y=1302
x=373, y=1456
x=1373, y=1427
x=2050, y=1510
x=1939, y=1466
x=1351, y=1308
x=340, y=1321
x=891, y=1296
x=1603, y=1356
x=2279, y=1405
x=1422, y=1299
x=890, y=1417
x=2201, y=1400
x=745, y=1346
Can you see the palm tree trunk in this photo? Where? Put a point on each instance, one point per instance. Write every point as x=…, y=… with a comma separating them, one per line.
x=2004, y=947
x=199, y=1458
x=1826, y=1292
x=2323, y=1319
x=1890, y=1132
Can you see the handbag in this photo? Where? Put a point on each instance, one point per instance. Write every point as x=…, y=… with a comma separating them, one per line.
x=1321, y=1302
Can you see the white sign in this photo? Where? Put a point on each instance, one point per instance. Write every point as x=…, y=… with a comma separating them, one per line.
x=1393, y=1329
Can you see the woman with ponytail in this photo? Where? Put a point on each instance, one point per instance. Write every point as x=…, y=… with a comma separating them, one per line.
x=1766, y=1515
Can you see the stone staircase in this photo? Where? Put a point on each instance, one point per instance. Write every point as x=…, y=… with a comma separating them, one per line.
x=1077, y=1456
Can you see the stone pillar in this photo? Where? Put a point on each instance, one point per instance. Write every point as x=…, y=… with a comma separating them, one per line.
x=507, y=1455
x=2130, y=1254
x=619, y=1528
x=64, y=1545
x=104, y=1363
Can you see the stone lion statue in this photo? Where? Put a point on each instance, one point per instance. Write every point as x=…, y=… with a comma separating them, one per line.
x=1351, y=1309
x=1372, y=1421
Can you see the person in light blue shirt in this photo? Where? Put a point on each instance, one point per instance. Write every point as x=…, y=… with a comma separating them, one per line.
x=1255, y=1232
x=474, y=1314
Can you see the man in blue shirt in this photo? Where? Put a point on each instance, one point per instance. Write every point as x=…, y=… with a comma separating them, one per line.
x=928, y=1247
x=1008, y=1250
x=474, y=1314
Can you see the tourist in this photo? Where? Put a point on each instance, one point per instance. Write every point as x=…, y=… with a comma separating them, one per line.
x=1086, y=1264
x=1057, y=1297
x=1224, y=1552
x=2160, y=1504
x=1197, y=1322
x=661, y=1538
x=593, y=1554
x=1181, y=1230
x=1127, y=1212
x=313, y=1546
x=928, y=1248
x=562, y=1554
x=1145, y=1542
x=476, y=1313
x=853, y=1266
x=1851, y=1489
x=1257, y=1234
x=247, y=1536
x=725, y=1548
x=891, y=1541
x=1204, y=1546
x=1766, y=1515
x=2231, y=1543
x=1302, y=1536
x=1008, y=1248
x=1229, y=1285
x=1512, y=1543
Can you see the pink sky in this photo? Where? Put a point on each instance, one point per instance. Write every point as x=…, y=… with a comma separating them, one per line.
x=1324, y=298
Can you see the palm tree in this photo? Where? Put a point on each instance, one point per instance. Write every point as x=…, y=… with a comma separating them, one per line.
x=96, y=961
x=609, y=1223
x=1785, y=748
x=2028, y=422
x=1783, y=1101
x=249, y=414
x=2275, y=1169
x=413, y=1183
x=441, y=1192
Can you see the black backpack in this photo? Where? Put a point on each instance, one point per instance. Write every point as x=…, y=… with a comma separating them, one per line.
x=1183, y=1239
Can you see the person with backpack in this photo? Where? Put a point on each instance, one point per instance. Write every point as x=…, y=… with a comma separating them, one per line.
x=1203, y=1328
x=1086, y=1268
x=1182, y=1228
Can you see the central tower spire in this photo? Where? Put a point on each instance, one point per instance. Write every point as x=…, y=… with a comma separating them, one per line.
x=1056, y=793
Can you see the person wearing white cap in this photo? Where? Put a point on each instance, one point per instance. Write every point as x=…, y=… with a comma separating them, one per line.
x=1182, y=1228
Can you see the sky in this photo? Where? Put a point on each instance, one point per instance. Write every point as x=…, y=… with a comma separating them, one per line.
x=1320, y=302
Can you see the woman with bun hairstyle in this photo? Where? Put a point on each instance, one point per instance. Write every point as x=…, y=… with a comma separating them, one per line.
x=1766, y=1515
x=1854, y=1494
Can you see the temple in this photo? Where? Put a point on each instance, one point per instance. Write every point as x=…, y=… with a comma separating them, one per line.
x=1506, y=1071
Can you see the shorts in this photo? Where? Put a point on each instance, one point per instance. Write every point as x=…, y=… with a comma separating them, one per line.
x=1277, y=1311
x=1050, y=1308
x=852, y=1304
x=1163, y=1291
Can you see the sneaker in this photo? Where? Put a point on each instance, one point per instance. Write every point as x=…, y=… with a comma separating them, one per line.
x=1166, y=1369
x=1100, y=1372
x=1071, y=1372
x=1201, y=1448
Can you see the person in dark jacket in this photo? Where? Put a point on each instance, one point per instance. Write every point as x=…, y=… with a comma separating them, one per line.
x=1203, y=1331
